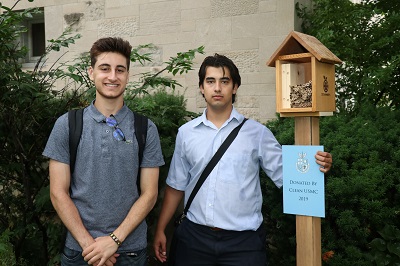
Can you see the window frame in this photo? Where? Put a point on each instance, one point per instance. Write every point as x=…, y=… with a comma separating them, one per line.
x=26, y=39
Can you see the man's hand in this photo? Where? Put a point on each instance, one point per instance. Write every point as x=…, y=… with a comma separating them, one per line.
x=110, y=262
x=101, y=252
x=324, y=159
x=159, y=246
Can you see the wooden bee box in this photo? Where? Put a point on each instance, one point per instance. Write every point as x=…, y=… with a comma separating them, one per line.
x=305, y=77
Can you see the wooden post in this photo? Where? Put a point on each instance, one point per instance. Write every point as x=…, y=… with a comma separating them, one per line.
x=308, y=229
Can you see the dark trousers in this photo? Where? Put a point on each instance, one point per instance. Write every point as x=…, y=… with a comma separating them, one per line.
x=71, y=257
x=200, y=245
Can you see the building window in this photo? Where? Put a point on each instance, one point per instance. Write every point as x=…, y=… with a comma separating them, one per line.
x=34, y=38
x=38, y=39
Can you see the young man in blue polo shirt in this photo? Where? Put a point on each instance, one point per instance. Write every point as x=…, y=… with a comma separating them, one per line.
x=224, y=221
x=100, y=203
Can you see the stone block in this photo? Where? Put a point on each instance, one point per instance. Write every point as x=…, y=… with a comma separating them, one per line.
x=247, y=101
x=75, y=21
x=267, y=6
x=61, y=2
x=267, y=108
x=245, y=43
x=124, y=11
x=215, y=34
x=95, y=10
x=144, y=39
x=187, y=37
x=53, y=14
x=89, y=38
x=188, y=25
x=74, y=8
x=167, y=38
x=285, y=16
x=254, y=26
x=195, y=13
x=160, y=17
x=268, y=46
x=91, y=26
x=256, y=90
x=251, y=113
x=116, y=3
x=228, y=8
x=246, y=61
x=192, y=78
x=118, y=27
x=189, y=4
x=191, y=104
x=190, y=90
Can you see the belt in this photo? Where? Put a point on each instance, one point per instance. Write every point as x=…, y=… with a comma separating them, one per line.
x=215, y=228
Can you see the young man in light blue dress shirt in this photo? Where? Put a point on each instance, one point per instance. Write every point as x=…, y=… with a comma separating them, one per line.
x=224, y=221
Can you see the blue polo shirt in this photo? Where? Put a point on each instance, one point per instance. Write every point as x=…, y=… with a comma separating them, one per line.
x=103, y=185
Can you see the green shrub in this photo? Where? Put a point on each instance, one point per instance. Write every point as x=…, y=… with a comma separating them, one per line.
x=385, y=250
x=361, y=191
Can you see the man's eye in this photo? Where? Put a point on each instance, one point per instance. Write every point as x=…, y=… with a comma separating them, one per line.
x=121, y=70
x=104, y=68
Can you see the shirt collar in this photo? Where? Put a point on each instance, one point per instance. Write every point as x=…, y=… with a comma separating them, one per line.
x=99, y=117
x=234, y=115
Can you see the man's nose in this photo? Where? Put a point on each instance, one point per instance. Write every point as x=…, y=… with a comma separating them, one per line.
x=217, y=86
x=112, y=75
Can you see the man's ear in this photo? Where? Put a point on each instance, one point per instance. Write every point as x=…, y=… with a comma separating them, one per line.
x=235, y=88
x=202, y=89
x=90, y=72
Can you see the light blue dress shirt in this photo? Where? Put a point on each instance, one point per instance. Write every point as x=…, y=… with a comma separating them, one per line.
x=231, y=197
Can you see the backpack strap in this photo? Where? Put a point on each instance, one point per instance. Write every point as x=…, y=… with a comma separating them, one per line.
x=75, y=123
x=141, y=123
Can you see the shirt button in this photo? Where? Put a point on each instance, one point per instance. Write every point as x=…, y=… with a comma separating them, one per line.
x=107, y=131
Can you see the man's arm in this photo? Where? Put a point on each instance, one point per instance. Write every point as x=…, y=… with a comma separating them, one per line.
x=60, y=179
x=172, y=198
x=104, y=247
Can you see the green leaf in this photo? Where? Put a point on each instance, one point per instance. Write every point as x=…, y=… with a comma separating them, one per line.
x=394, y=248
x=378, y=244
x=390, y=232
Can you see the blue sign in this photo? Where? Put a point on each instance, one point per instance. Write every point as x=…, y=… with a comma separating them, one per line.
x=303, y=182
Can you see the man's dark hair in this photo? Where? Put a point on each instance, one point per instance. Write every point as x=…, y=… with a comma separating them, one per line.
x=222, y=61
x=110, y=44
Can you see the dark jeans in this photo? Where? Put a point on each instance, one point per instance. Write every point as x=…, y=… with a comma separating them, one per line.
x=199, y=245
x=71, y=257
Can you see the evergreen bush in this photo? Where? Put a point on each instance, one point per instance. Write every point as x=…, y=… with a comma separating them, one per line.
x=361, y=190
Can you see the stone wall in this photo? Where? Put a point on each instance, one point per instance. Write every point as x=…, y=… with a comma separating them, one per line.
x=247, y=31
